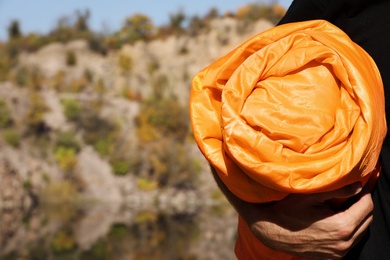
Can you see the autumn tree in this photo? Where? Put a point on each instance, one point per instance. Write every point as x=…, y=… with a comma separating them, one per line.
x=136, y=27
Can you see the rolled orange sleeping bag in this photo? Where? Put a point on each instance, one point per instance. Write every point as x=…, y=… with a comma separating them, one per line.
x=298, y=108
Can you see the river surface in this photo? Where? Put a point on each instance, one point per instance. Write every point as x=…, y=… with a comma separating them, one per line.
x=102, y=231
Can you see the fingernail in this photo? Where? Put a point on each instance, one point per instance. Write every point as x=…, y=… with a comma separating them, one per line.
x=356, y=187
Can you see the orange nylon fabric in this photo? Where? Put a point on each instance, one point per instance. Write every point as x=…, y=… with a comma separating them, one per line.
x=298, y=108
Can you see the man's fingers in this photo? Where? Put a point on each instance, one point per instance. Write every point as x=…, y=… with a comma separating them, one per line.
x=359, y=211
x=350, y=234
x=342, y=193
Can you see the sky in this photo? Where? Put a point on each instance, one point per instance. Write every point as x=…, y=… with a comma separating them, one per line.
x=41, y=16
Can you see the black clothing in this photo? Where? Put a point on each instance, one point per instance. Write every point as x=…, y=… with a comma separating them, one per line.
x=367, y=22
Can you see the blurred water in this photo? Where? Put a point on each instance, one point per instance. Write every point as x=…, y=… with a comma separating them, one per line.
x=102, y=231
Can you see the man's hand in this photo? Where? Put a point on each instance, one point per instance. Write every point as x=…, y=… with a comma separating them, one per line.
x=306, y=225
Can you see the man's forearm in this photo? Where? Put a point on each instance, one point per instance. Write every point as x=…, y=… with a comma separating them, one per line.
x=305, y=224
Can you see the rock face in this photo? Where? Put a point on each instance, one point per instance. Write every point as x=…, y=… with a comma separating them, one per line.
x=97, y=174
x=12, y=191
x=166, y=65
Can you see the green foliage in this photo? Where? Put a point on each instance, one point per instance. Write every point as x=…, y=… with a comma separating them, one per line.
x=176, y=21
x=197, y=25
x=27, y=185
x=167, y=116
x=136, y=27
x=145, y=217
x=65, y=150
x=104, y=145
x=120, y=167
x=68, y=140
x=12, y=137
x=35, y=79
x=254, y=12
x=98, y=44
x=98, y=132
x=6, y=63
x=36, y=112
x=14, y=31
x=59, y=193
x=100, y=86
x=72, y=109
x=5, y=115
x=118, y=231
x=66, y=158
x=71, y=59
x=102, y=250
x=28, y=77
x=81, y=23
x=63, y=241
x=153, y=66
x=183, y=50
x=172, y=167
x=88, y=75
x=125, y=63
x=146, y=184
x=21, y=76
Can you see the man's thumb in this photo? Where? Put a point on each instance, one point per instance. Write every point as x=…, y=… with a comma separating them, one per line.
x=342, y=193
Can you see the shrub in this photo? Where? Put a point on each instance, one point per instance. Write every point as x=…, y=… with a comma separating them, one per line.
x=5, y=115
x=59, y=193
x=253, y=12
x=146, y=217
x=12, y=137
x=120, y=167
x=125, y=63
x=35, y=79
x=167, y=116
x=172, y=167
x=63, y=241
x=72, y=109
x=153, y=66
x=100, y=86
x=136, y=27
x=21, y=76
x=71, y=58
x=6, y=63
x=36, y=112
x=68, y=140
x=66, y=158
x=104, y=145
x=146, y=184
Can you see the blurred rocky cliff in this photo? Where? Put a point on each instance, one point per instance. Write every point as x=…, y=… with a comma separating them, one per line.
x=86, y=124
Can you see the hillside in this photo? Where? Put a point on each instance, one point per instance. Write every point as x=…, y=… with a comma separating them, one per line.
x=80, y=126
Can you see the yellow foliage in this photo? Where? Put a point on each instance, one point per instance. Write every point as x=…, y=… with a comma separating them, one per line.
x=146, y=185
x=66, y=158
x=125, y=63
x=60, y=193
x=145, y=216
x=63, y=241
x=37, y=110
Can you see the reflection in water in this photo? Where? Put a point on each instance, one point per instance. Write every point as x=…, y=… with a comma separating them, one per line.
x=112, y=232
